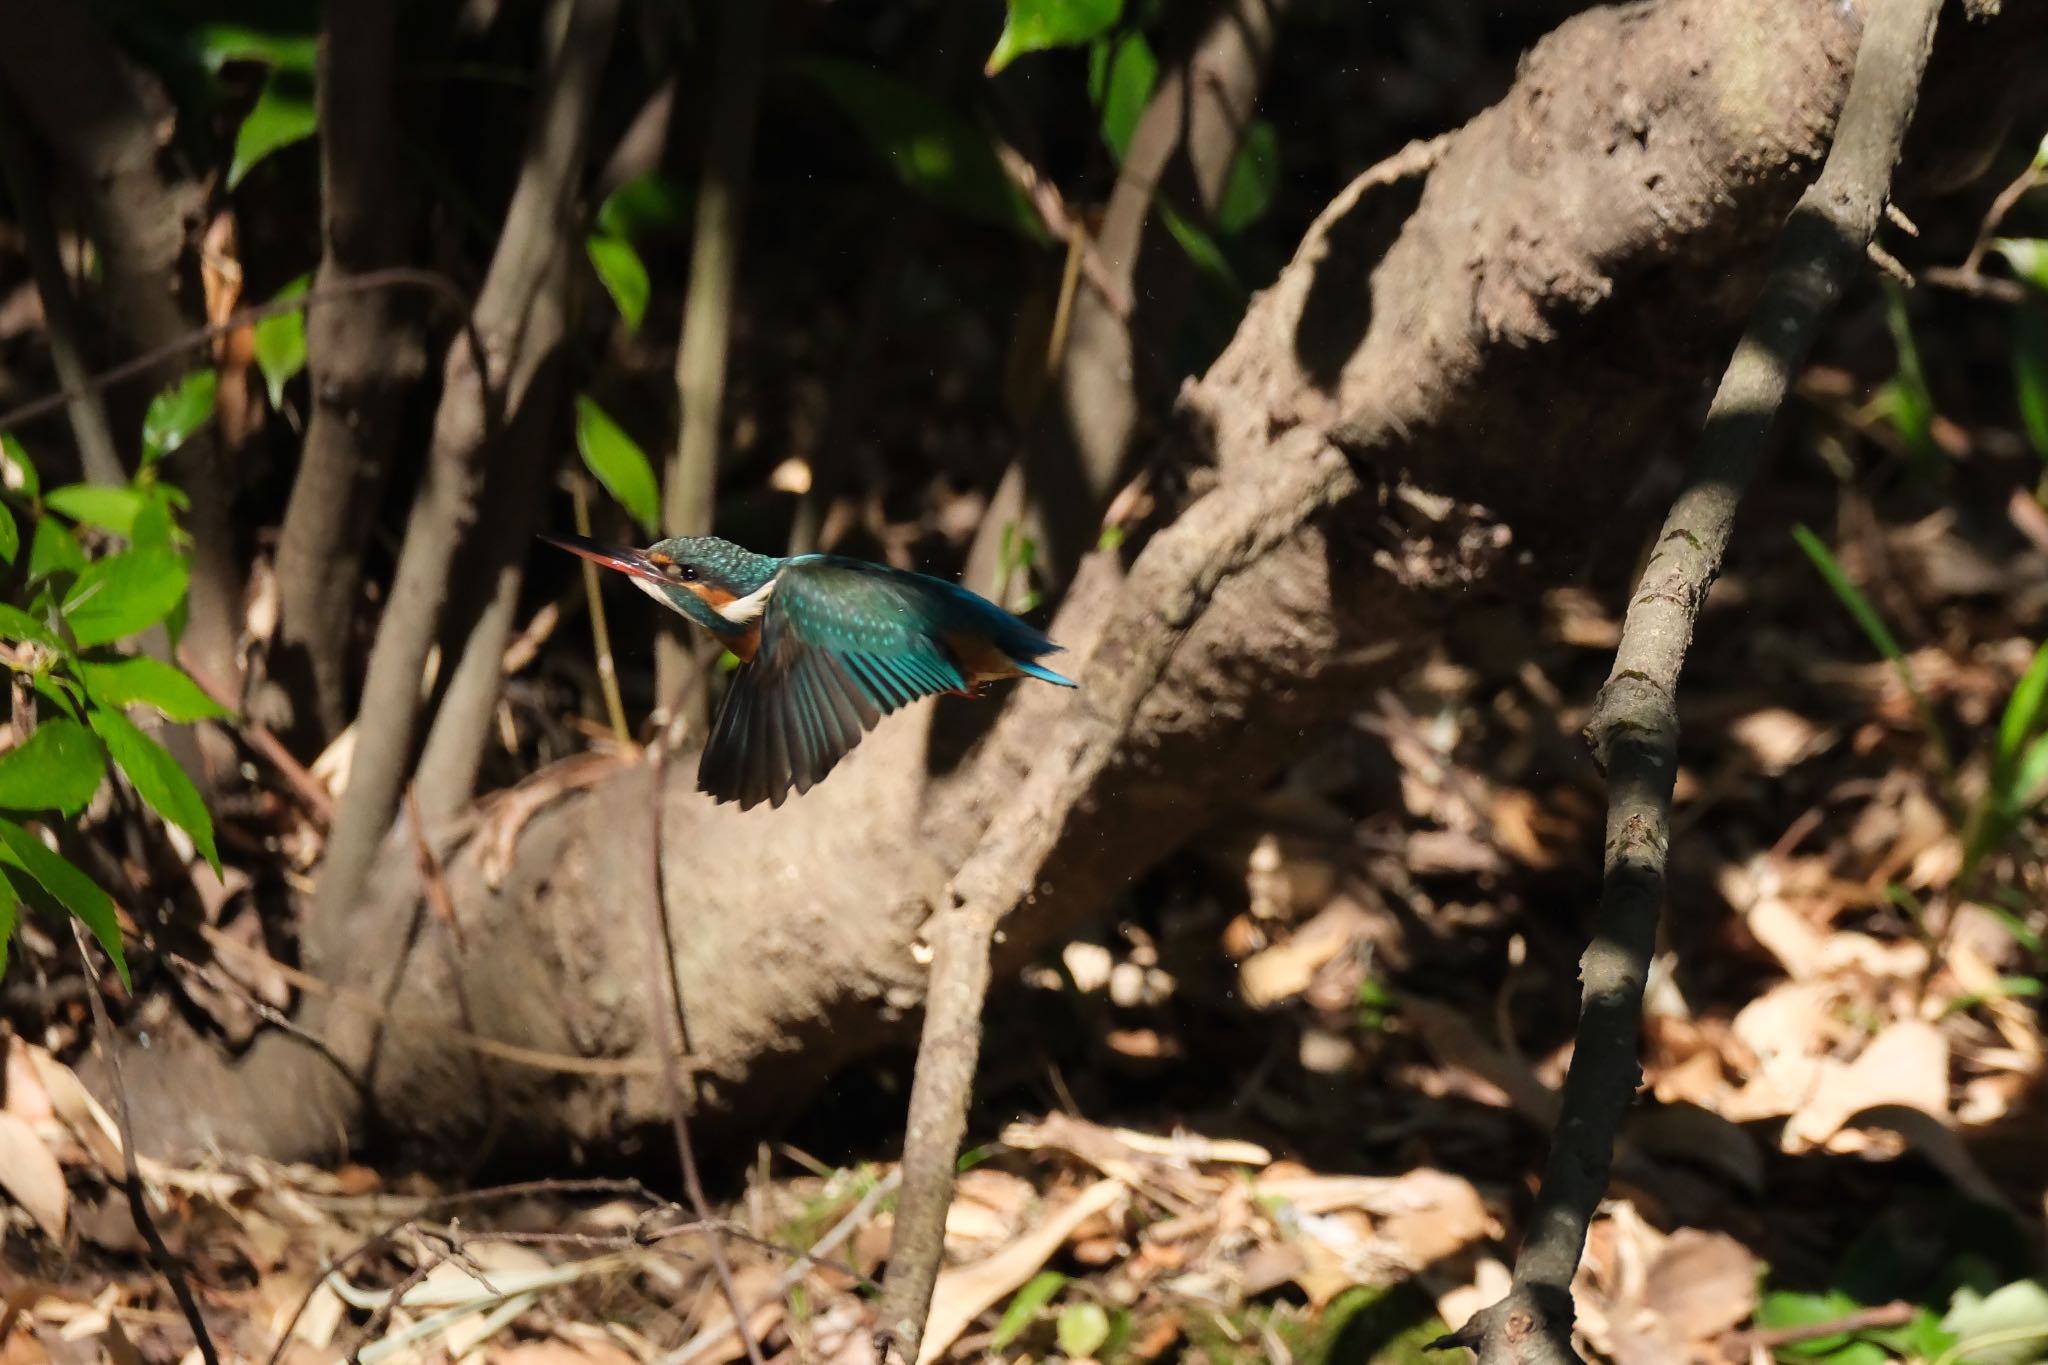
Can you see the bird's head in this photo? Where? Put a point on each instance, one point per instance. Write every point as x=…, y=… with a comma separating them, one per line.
x=714, y=582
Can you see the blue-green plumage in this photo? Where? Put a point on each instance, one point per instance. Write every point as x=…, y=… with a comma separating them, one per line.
x=830, y=646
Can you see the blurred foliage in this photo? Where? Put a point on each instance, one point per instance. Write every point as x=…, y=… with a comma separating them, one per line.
x=69, y=631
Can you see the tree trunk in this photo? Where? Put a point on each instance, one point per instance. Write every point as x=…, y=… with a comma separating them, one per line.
x=364, y=353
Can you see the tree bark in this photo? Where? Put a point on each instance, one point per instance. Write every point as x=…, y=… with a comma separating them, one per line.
x=364, y=353
x=1408, y=422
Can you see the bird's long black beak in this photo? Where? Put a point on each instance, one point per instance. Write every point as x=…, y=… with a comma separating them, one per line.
x=624, y=558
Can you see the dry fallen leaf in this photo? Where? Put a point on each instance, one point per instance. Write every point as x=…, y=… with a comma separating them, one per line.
x=965, y=1292
x=32, y=1178
x=1906, y=1063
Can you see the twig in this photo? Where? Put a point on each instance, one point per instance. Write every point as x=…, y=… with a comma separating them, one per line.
x=666, y=1000
x=535, y=1058
x=600, y=631
x=131, y=1177
x=397, y=277
x=819, y=1254
x=310, y=790
x=460, y=1198
x=1634, y=726
x=2003, y=203
x=1737, y=1345
x=707, y=314
x=1051, y=207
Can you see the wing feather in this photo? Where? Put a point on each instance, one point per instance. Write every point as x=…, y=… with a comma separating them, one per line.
x=841, y=645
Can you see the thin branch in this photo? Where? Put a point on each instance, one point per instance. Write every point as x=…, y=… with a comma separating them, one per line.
x=310, y=790
x=665, y=998
x=131, y=1176
x=398, y=277
x=600, y=631
x=534, y=1058
x=691, y=484
x=1634, y=727
x=947, y=1052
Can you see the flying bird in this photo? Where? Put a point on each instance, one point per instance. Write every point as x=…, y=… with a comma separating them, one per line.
x=828, y=646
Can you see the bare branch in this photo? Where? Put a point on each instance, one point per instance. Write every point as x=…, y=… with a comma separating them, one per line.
x=1634, y=727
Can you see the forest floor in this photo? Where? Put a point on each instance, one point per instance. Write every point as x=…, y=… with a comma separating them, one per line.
x=1289, y=1102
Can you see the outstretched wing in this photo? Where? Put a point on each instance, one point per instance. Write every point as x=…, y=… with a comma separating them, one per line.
x=841, y=647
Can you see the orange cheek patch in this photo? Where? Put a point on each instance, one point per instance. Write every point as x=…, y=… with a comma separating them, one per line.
x=714, y=598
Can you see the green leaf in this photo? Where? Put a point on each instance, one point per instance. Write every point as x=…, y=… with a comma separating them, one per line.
x=17, y=625
x=280, y=343
x=2030, y=373
x=1906, y=398
x=177, y=413
x=19, y=473
x=929, y=147
x=1039, y=25
x=122, y=594
x=220, y=44
x=2028, y=257
x=1254, y=176
x=643, y=204
x=157, y=778
x=1878, y=633
x=2028, y=775
x=53, y=549
x=68, y=886
x=1023, y=1310
x=1127, y=85
x=56, y=690
x=2023, y=709
x=154, y=529
x=1082, y=1329
x=618, y=463
x=623, y=274
x=2005, y=1327
x=111, y=507
x=147, y=682
x=1200, y=247
x=284, y=114
x=1784, y=1309
x=58, y=768
x=10, y=537
x=10, y=915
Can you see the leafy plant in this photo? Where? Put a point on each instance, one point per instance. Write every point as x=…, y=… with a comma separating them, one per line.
x=1877, y=632
x=618, y=462
x=280, y=342
x=1037, y=25
x=61, y=639
x=643, y=204
x=929, y=147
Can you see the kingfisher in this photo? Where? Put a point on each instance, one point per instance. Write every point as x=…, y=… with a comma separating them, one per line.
x=827, y=644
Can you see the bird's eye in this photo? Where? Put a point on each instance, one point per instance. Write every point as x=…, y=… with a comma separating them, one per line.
x=686, y=572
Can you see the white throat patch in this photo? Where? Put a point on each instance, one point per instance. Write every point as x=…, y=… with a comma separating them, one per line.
x=741, y=610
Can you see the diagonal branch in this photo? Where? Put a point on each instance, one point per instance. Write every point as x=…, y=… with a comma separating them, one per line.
x=1634, y=727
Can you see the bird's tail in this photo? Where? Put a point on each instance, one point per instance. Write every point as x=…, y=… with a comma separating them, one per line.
x=1042, y=673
